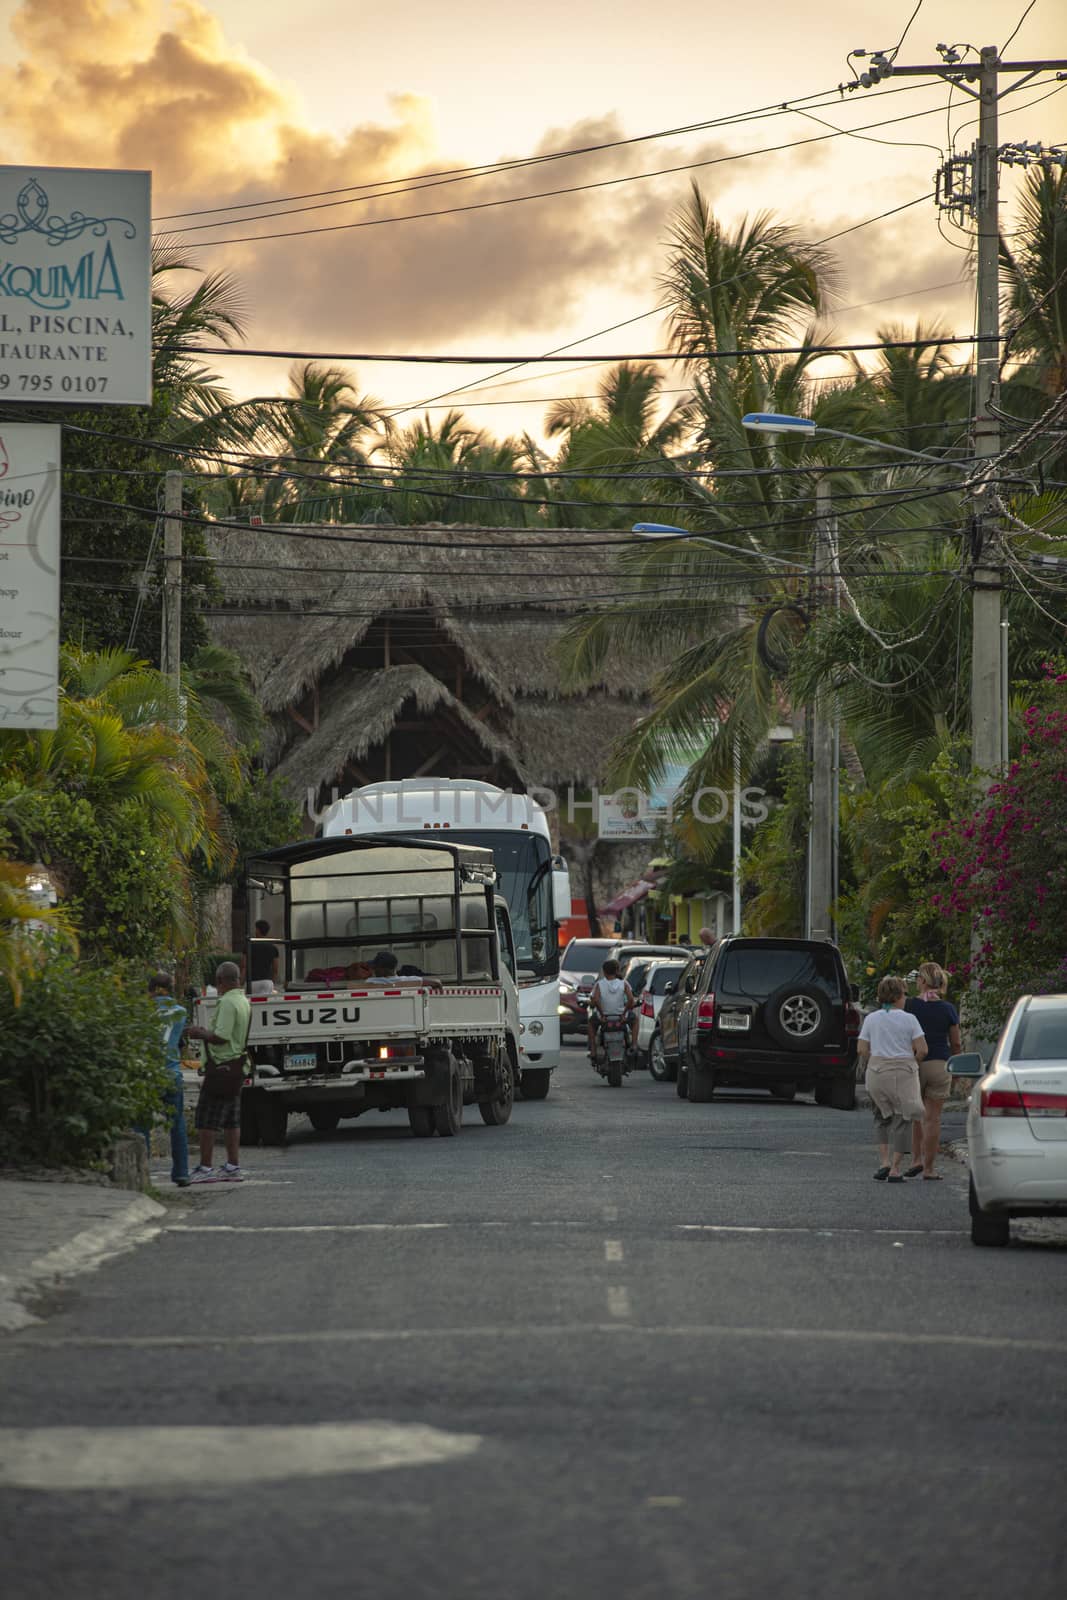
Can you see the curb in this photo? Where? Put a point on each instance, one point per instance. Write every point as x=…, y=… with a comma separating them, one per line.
x=139, y=1221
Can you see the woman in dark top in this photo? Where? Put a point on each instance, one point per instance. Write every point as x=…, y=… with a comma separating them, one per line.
x=940, y=1023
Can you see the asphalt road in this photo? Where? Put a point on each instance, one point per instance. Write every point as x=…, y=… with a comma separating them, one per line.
x=623, y=1347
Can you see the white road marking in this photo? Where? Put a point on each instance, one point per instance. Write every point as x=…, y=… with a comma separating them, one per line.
x=26, y=1343
x=160, y=1458
x=612, y=1249
x=307, y=1227
x=824, y=1233
x=619, y=1301
x=610, y=1214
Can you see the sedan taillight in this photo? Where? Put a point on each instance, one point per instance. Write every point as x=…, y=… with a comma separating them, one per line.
x=706, y=1012
x=1001, y=1103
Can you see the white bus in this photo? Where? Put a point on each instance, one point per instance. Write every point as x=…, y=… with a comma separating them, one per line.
x=534, y=883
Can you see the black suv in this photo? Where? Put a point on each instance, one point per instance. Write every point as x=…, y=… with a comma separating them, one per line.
x=775, y=1014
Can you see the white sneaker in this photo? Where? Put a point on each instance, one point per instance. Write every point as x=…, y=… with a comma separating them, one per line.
x=231, y=1174
x=204, y=1175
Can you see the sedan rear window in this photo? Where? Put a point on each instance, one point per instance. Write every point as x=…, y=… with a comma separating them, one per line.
x=1042, y=1036
x=662, y=977
x=589, y=956
x=759, y=971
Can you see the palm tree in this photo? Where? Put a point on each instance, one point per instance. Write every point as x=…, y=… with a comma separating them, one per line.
x=453, y=472
x=1034, y=279
x=618, y=435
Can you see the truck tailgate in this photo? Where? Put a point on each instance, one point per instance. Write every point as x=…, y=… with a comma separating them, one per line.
x=356, y=1013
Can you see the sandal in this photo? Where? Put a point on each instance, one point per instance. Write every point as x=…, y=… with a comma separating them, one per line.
x=931, y=1177
x=881, y=1175
x=895, y=1177
x=914, y=1172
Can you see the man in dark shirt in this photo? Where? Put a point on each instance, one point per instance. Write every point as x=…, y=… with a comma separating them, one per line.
x=263, y=957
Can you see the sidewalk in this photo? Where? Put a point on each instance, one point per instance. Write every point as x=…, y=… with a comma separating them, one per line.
x=52, y=1230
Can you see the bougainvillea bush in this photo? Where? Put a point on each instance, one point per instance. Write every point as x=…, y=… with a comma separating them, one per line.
x=1005, y=867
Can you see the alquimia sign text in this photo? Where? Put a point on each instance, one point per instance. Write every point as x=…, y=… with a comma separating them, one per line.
x=75, y=286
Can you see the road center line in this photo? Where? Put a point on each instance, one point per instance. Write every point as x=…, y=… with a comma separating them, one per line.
x=612, y=1249
x=619, y=1301
x=826, y=1233
x=26, y=1343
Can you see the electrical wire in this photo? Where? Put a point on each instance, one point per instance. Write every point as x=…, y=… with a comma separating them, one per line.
x=907, y=29
x=1018, y=25
x=599, y=360
x=488, y=168
x=549, y=194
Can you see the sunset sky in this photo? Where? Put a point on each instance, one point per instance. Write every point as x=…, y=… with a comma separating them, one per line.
x=241, y=101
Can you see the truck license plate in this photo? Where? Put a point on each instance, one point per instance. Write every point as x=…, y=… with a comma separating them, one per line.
x=734, y=1021
x=301, y=1061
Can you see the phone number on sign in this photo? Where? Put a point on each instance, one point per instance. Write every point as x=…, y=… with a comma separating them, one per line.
x=44, y=383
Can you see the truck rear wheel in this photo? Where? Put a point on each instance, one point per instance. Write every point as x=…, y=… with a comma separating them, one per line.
x=535, y=1082
x=448, y=1114
x=323, y=1120
x=420, y=1120
x=273, y=1119
x=497, y=1111
x=250, y=1103
x=448, y=1118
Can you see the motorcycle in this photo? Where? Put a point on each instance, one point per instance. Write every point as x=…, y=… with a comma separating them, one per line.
x=614, y=1057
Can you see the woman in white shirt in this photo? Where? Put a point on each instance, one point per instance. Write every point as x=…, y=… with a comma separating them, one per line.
x=892, y=1043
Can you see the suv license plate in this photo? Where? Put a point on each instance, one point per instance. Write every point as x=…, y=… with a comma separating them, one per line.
x=301, y=1061
x=734, y=1021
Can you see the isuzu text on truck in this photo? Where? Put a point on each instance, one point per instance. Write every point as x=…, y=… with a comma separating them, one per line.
x=334, y=1041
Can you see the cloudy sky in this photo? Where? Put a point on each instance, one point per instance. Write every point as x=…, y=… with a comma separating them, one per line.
x=241, y=101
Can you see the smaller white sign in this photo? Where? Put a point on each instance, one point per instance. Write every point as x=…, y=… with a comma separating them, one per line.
x=75, y=286
x=29, y=575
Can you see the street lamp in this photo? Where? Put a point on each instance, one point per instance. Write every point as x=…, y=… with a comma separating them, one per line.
x=780, y=422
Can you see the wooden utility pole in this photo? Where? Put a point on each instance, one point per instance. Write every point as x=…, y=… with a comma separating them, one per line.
x=170, y=653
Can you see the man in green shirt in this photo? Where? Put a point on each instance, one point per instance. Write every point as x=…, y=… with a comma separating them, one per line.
x=224, y=1041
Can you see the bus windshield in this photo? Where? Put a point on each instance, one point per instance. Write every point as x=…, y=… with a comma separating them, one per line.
x=524, y=866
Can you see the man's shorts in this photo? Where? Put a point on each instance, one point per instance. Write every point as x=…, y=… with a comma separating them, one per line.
x=218, y=1114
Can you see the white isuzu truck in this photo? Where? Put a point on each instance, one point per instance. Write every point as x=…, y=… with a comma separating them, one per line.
x=534, y=883
x=333, y=1039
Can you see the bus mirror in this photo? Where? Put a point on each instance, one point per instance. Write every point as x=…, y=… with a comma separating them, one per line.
x=561, y=893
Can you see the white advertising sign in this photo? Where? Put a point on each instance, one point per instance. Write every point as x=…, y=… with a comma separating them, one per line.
x=29, y=575
x=75, y=286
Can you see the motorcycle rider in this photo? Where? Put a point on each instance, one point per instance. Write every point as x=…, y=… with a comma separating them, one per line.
x=611, y=997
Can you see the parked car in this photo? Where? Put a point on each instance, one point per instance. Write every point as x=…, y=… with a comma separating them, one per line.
x=1017, y=1120
x=658, y=975
x=589, y=955
x=663, y=1046
x=776, y=1014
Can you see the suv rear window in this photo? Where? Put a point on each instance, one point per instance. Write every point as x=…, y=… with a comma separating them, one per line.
x=758, y=971
x=1042, y=1036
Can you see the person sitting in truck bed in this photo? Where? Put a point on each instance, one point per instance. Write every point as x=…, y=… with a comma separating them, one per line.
x=384, y=970
x=355, y=972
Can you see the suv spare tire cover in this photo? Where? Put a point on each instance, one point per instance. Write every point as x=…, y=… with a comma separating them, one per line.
x=798, y=1016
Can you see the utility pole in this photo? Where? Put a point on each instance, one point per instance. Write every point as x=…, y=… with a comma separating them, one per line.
x=170, y=653
x=987, y=581
x=969, y=187
x=822, y=825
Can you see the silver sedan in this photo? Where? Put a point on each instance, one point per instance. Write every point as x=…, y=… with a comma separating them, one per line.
x=1017, y=1120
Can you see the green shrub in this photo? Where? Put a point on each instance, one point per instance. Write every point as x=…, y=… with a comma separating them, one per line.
x=118, y=882
x=81, y=1061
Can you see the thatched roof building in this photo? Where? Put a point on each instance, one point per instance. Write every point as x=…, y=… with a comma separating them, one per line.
x=383, y=652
